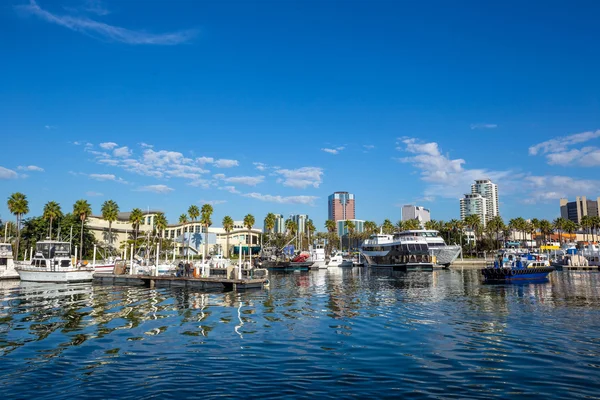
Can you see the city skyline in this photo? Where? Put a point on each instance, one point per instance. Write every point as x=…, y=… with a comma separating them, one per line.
x=249, y=109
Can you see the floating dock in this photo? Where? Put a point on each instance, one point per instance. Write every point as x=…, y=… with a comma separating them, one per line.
x=214, y=283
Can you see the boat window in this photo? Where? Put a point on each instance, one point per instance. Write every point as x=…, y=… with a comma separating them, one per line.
x=5, y=248
x=64, y=263
x=3, y=261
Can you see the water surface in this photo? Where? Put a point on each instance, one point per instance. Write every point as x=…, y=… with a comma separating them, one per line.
x=330, y=334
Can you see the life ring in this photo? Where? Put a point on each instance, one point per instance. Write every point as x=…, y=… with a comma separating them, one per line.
x=513, y=272
x=266, y=282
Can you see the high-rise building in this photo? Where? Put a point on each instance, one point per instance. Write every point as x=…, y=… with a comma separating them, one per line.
x=473, y=204
x=575, y=210
x=341, y=206
x=300, y=220
x=419, y=213
x=482, y=201
x=359, y=226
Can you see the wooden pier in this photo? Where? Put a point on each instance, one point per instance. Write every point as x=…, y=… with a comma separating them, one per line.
x=214, y=283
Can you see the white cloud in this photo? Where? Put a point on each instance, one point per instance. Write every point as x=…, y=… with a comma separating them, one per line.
x=333, y=151
x=554, y=187
x=557, y=150
x=483, y=126
x=559, y=144
x=308, y=200
x=301, y=177
x=368, y=146
x=6, y=173
x=446, y=177
x=260, y=166
x=242, y=180
x=106, y=177
x=122, y=152
x=146, y=145
x=224, y=163
x=230, y=189
x=49, y=127
x=93, y=194
x=101, y=30
x=212, y=202
x=161, y=189
x=108, y=145
x=205, y=160
x=30, y=168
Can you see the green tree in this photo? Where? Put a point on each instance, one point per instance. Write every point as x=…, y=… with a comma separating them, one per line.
x=270, y=221
x=193, y=213
x=135, y=219
x=473, y=222
x=205, y=220
x=387, y=227
x=400, y=226
x=82, y=209
x=559, y=226
x=546, y=228
x=330, y=225
x=227, y=227
x=570, y=227
x=496, y=225
x=183, y=220
x=595, y=225
x=411, y=224
x=431, y=225
x=18, y=206
x=350, y=227
x=160, y=224
x=248, y=224
x=52, y=211
x=110, y=213
x=586, y=225
x=370, y=227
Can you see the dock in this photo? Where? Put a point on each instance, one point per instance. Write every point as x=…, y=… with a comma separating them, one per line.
x=210, y=283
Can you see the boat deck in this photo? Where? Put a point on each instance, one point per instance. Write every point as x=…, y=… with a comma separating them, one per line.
x=218, y=283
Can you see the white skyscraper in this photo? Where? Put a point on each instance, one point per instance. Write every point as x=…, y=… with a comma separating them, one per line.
x=482, y=201
x=419, y=213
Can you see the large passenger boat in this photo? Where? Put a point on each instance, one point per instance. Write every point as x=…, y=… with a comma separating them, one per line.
x=444, y=254
x=52, y=263
x=401, y=252
x=7, y=265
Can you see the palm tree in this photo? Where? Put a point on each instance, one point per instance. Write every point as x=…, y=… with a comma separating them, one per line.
x=545, y=228
x=387, y=227
x=400, y=226
x=205, y=220
x=227, y=227
x=270, y=223
x=110, y=213
x=411, y=224
x=135, y=218
x=570, y=227
x=595, y=226
x=370, y=227
x=473, y=222
x=248, y=223
x=18, y=205
x=183, y=219
x=559, y=225
x=193, y=213
x=82, y=208
x=350, y=226
x=160, y=224
x=330, y=225
x=496, y=225
x=310, y=227
x=586, y=225
x=52, y=211
x=291, y=227
x=431, y=225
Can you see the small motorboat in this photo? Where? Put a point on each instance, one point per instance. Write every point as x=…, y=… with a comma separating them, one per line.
x=514, y=269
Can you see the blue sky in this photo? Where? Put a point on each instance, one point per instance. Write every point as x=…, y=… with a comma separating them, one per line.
x=271, y=106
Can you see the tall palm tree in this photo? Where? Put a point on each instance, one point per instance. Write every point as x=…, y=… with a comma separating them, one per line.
x=270, y=221
x=193, y=213
x=205, y=220
x=496, y=225
x=183, y=219
x=387, y=227
x=400, y=226
x=160, y=224
x=473, y=222
x=570, y=227
x=18, y=205
x=52, y=211
x=370, y=227
x=545, y=228
x=350, y=227
x=310, y=227
x=82, y=208
x=248, y=223
x=559, y=225
x=110, y=213
x=411, y=224
x=330, y=225
x=595, y=226
x=227, y=227
x=586, y=225
x=135, y=219
x=432, y=224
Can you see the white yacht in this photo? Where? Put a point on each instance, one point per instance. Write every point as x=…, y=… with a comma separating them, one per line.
x=407, y=253
x=7, y=264
x=52, y=263
x=335, y=259
x=317, y=255
x=444, y=254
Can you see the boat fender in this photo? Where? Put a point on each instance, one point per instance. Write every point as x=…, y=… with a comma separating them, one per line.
x=513, y=272
x=266, y=282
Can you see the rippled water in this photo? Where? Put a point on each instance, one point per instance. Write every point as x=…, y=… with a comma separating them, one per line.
x=335, y=333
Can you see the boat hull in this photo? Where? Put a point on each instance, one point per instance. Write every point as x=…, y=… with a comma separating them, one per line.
x=8, y=272
x=63, y=276
x=405, y=267
x=105, y=269
x=445, y=255
x=503, y=275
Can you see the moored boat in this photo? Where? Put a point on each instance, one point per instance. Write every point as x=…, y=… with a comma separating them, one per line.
x=52, y=263
x=406, y=253
x=515, y=269
x=444, y=254
x=7, y=264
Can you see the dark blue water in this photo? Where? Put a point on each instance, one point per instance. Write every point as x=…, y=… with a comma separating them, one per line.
x=335, y=333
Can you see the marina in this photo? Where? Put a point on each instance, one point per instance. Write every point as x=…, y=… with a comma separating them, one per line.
x=336, y=332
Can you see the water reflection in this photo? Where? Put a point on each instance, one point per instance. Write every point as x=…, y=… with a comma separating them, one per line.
x=328, y=333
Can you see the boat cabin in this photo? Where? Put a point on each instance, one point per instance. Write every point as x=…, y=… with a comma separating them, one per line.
x=52, y=253
x=5, y=254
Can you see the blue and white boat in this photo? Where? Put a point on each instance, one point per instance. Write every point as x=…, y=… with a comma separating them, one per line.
x=512, y=268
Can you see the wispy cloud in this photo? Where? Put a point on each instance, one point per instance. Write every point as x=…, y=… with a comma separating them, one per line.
x=122, y=152
x=333, y=151
x=308, y=200
x=93, y=194
x=212, y=202
x=160, y=189
x=483, y=126
x=101, y=30
x=300, y=178
x=108, y=145
x=368, y=146
x=30, y=168
x=106, y=177
x=6, y=173
x=224, y=163
x=559, y=150
x=242, y=180
x=260, y=166
x=49, y=127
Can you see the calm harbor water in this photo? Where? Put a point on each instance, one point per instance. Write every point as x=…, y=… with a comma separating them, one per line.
x=322, y=334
